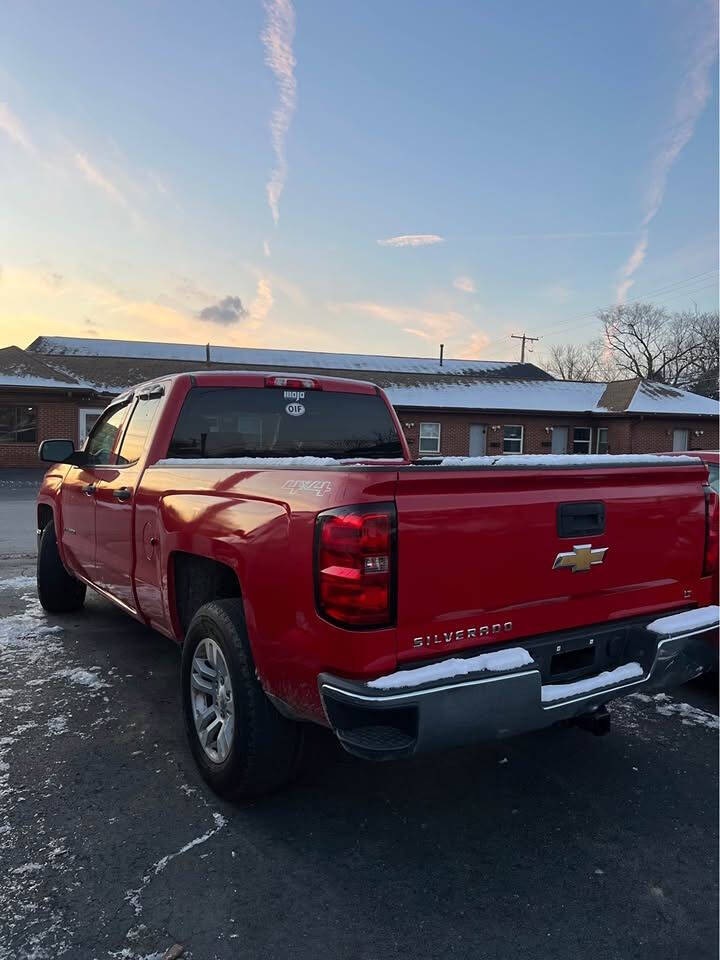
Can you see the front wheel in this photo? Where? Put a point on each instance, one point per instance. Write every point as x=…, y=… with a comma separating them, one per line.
x=240, y=742
x=58, y=591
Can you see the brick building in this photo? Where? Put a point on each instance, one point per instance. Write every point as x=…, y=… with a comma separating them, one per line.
x=58, y=386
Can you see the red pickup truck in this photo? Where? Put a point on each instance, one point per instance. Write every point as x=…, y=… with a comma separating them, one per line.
x=277, y=528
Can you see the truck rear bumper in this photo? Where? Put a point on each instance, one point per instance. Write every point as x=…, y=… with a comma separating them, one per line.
x=405, y=717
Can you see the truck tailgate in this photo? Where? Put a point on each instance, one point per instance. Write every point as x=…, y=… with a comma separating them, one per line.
x=491, y=555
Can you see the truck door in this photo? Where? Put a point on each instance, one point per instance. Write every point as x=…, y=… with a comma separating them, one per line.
x=79, y=490
x=115, y=553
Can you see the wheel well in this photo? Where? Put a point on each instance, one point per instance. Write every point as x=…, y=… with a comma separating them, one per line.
x=44, y=516
x=198, y=580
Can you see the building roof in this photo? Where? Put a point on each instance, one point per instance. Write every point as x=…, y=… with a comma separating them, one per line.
x=250, y=357
x=555, y=396
x=111, y=366
x=21, y=369
x=660, y=398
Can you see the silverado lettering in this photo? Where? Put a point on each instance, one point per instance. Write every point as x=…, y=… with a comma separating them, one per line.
x=467, y=633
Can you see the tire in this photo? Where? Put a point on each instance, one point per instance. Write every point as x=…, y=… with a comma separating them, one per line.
x=264, y=749
x=58, y=590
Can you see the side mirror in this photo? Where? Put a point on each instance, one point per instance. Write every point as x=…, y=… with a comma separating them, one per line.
x=56, y=451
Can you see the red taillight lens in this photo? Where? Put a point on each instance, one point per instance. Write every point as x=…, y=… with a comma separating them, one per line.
x=355, y=565
x=293, y=383
x=712, y=517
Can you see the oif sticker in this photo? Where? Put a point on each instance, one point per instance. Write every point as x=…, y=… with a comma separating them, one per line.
x=295, y=409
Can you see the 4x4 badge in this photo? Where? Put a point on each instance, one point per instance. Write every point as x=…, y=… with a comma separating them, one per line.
x=580, y=558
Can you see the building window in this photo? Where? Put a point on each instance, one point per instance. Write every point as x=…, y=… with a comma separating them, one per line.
x=18, y=424
x=602, y=445
x=429, y=438
x=512, y=439
x=582, y=440
x=87, y=418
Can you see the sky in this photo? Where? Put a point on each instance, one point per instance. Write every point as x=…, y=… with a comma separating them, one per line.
x=373, y=177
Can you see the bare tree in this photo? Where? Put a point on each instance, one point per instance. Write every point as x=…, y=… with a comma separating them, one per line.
x=680, y=349
x=705, y=371
x=587, y=361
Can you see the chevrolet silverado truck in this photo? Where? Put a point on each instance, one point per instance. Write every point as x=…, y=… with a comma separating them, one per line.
x=277, y=528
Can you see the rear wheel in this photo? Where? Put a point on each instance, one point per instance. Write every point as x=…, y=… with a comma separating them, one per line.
x=58, y=591
x=240, y=742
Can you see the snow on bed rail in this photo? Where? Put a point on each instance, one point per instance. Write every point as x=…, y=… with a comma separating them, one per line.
x=497, y=661
x=241, y=463
x=685, y=621
x=567, y=460
x=538, y=460
x=608, y=678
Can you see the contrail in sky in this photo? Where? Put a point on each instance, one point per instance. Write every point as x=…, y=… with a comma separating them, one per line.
x=691, y=100
x=277, y=38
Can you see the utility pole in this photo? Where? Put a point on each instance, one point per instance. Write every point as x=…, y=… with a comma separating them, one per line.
x=525, y=339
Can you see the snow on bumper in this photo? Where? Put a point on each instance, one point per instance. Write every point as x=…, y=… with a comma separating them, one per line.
x=502, y=693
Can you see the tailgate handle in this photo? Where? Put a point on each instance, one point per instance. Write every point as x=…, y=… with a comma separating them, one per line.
x=580, y=519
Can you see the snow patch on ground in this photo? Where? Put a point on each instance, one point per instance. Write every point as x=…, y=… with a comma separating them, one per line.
x=85, y=678
x=686, y=621
x=134, y=897
x=17, y=583
x=608, y=678
x=498, y=661
x=30, y=648
x=689, y=715
x=57, y=725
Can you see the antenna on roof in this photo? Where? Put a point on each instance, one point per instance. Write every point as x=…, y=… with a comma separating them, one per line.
x=207, y=353
x=442, y=350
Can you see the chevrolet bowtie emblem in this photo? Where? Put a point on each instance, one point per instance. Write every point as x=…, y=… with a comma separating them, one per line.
x=580, y=558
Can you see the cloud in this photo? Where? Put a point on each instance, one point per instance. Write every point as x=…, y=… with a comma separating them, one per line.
x=466, y=284
x=266, y=248
x=261, y=304
x=412, y=240
x=93, y=176
x=692, y=97
x=277, y=38
x=14, y=129
x=474, y=347
x=227, y=311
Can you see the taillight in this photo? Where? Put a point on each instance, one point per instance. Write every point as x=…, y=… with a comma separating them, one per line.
x=712, y=517
x=293, y=383
x=355, y=565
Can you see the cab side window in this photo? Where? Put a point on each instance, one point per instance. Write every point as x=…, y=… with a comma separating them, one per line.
x=138, y=428
x=101, y=442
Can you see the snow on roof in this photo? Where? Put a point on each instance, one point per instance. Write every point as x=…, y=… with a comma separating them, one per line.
x=10, y=381
x=659, y=398
x=135, y=349
x=20, y=369
x=563, y=396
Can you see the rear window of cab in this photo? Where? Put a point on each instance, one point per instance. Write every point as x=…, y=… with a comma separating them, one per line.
x=220, y=422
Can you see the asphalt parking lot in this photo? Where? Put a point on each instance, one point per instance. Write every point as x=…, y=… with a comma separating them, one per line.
x=557, y=845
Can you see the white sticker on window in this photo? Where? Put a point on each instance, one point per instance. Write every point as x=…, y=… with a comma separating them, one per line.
x=294, y=394
x=295, y=409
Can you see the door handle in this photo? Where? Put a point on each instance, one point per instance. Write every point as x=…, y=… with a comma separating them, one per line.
x=89, y=489
x=122, y=493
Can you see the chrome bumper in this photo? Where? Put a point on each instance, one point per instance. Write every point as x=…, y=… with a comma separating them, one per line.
x=382, y=724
